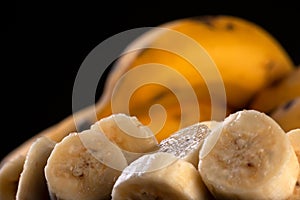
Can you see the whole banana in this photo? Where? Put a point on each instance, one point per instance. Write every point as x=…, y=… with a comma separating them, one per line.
x=246, y=56
x=249, y=157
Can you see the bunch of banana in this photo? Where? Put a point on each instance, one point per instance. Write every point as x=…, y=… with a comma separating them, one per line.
x=198, y=70
x=198, y=55
x=208, y=52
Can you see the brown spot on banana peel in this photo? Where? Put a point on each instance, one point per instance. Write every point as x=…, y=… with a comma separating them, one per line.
x=207, y=20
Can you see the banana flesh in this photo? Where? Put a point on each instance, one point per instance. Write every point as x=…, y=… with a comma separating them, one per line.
x=294, y=136
x=248, y=157
x=84, y=166
x=32, y=183
x=128, y=133
x=9, y=177
x=160, y=175
x=186, y=143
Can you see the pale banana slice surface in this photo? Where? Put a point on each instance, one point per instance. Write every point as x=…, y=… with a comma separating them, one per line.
x=134, y=138
x=160, y=175
x=248, y=157
x=84, y=166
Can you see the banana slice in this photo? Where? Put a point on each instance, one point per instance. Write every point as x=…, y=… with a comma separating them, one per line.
x=248, y=157
x=9, y=177
x=84, y=166
x=160, y=176
x=294, y=136
x=186, y=143
x=32, y=183
x=129, y=134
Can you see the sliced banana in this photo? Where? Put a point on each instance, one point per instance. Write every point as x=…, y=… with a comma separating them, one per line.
x=294, y=136
x=248, y=157
x=134, y=138
x=32, y=183
x=9, y=177
x=186, y=143
x=84, y=166
x=160, y=176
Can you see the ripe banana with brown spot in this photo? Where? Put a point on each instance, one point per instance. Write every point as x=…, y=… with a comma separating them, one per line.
x=283, y=91
x=242, y=51
x=294, y=136
x=249, y=157
x=32, y=183
x=287, y=115
x=84, y=166
x=160, y=176
x=9, y=177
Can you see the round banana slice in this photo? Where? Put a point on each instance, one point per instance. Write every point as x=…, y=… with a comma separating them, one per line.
x=134, y=138
x=32, y=183
x=294, y=136
x=248, y=157
x=186, y=143
x=84, y=166
x=9, y=177
x=160, y=176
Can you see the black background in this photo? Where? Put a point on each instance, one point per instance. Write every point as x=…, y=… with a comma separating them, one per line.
x=44, y=45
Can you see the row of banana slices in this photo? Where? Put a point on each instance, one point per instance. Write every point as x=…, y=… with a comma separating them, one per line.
x=246, y=156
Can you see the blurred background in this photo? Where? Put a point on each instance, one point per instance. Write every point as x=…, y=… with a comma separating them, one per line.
x=44, y=45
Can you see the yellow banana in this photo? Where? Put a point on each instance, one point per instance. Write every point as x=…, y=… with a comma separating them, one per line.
x=248, y=58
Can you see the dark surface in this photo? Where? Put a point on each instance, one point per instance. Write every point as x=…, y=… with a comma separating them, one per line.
x=44, y=45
